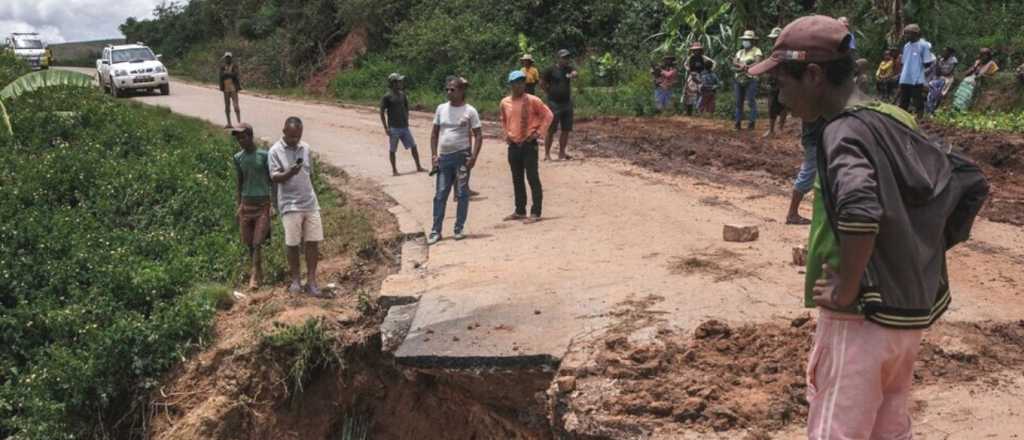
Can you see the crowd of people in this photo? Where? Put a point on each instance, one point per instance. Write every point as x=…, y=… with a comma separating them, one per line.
x=888, y=202
x=911, y=76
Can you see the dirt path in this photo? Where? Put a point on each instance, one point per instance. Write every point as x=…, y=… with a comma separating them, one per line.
x=614, y=232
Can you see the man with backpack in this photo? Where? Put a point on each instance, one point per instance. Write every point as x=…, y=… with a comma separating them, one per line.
x=888, y=204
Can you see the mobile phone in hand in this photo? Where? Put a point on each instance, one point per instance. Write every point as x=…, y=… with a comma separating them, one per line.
x=298, y=161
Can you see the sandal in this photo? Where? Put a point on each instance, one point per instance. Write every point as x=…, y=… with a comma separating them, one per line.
x=800, y=221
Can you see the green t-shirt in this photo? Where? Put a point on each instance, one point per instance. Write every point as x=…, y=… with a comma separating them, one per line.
x=822, y=245
x=255, y=173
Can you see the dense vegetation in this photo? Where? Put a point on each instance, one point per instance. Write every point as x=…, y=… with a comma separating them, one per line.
x=282, y=42
x=115, y=218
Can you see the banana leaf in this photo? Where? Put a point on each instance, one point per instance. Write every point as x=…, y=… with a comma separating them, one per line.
x=44, y=78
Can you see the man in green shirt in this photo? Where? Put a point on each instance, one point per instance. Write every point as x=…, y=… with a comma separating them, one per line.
x=888, y=204
x=253, y=194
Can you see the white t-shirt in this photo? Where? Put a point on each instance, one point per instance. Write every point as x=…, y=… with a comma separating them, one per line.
x=455, y=124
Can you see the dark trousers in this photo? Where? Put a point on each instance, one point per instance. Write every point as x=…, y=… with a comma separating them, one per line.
x=912, y=93
x=522, y=159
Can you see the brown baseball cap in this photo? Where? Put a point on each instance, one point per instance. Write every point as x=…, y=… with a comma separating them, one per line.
x=810, y=39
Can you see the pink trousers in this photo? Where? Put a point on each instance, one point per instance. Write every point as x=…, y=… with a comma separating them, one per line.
x=858, y=379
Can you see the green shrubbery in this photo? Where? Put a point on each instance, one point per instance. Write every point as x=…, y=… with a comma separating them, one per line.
x=11, y=67
x=114, y=219
x=994, y=121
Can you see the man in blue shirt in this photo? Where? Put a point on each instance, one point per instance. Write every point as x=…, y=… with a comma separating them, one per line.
x=916, y=53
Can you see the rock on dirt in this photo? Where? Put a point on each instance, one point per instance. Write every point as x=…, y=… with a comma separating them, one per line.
x=739, y=233
x=566, y=384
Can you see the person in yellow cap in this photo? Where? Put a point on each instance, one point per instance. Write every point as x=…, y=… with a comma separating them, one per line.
x=745, y=86
x=531, y=72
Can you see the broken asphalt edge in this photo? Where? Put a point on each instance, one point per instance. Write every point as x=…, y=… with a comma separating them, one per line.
x=401, y=310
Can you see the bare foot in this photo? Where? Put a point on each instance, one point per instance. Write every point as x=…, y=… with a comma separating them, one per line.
x=394, y=173
x=512, y=217
x=547, y=158
x=531, y=220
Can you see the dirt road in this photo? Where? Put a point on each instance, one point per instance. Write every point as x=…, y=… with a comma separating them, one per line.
x=613, y=232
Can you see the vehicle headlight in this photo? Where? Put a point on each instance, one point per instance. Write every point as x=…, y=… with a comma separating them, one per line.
x=120, y=73
x=160, y=69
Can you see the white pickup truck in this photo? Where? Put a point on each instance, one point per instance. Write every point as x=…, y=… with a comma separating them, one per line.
x=131, y=67
x=30, y=48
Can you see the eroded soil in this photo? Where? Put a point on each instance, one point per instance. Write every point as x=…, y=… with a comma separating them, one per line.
x=690, y=146
x=243, y=387
x=645, y=378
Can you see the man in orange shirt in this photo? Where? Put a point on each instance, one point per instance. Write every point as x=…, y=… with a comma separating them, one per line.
x=524, y=119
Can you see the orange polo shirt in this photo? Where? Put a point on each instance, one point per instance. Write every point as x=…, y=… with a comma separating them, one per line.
x=518, y=126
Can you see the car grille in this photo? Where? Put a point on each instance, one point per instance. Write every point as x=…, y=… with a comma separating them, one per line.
x=138, y=71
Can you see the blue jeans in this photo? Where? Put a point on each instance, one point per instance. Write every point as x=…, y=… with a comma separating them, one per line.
x=811, y=133
x=745, y=93
x=452, y=172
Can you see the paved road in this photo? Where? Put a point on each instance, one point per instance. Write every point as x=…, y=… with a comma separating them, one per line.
x=612, y=233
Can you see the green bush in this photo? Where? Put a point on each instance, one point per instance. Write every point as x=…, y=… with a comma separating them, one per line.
x=11, y=67
x=109, y=215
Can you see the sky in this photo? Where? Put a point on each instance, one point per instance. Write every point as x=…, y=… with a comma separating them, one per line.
x=59, y=21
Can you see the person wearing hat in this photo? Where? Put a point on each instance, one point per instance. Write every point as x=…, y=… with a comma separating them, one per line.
x=916, y=52
x=531, y=72
x=776, y=111
x=744, y=84
x=394, y=115
x=253, y=195
x=524, y=119
x=876, y=266
x=230, y=85
x=704, y=67
x=557, y=84
x=665, y=79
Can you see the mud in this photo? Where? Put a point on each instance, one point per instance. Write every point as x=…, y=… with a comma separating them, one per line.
x=243, y=387
x=698, y=147
x=1001, y=155
x=645, y=378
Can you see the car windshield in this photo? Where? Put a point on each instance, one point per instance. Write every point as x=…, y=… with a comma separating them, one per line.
x=130, y=55
x=28, y=44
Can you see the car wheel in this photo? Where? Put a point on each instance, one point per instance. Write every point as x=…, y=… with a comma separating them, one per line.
x=165, y=89
x=116, y=92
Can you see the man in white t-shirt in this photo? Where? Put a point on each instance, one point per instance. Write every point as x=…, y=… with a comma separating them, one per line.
x=458, y=135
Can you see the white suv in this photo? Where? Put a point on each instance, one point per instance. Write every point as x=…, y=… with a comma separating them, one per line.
x=131, y=67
